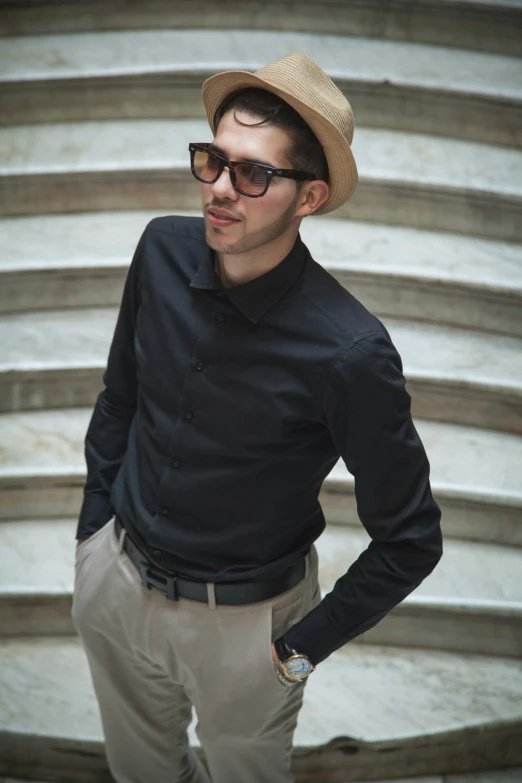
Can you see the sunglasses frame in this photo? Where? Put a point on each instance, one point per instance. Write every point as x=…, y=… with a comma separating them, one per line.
x=231, y=164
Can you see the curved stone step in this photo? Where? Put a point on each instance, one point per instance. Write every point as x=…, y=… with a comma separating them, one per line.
x=488, y=25
x=52, y=359
x=509, y=775
x=475, y=477
x=38, y=554
x=405, y=178
x=472, y=601
x=55, y=261
x=475, y=474
x=368, y=710
x=159, y=73
x=431, y=276
x=467, y=570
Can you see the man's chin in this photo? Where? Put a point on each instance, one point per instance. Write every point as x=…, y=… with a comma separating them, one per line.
x=217, y=243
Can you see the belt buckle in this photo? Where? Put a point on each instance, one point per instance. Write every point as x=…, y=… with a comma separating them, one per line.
x=172, y=588
x=172, y=581
x=144, y=573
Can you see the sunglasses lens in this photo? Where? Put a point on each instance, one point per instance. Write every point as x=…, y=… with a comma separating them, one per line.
x=206, y=166
x=251, y=179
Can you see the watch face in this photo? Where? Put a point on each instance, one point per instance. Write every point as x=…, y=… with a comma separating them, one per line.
x=298, y=667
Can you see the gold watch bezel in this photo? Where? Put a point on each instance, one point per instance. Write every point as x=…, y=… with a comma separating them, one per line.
x=290, y=658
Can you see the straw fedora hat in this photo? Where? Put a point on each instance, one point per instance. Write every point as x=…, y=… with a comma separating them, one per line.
x=306, y=87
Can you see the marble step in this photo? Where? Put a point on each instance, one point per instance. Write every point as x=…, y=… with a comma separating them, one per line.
x=158, y=73
x=52, y=359
x=471, y=602
x=488, y=25
x=475, y=478
x=475, y=474
x=410, y=179
x=508, y=775
x=56, y=261
x=38, y=555
x=368, y=712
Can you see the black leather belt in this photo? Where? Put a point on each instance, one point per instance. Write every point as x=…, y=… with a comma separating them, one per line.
x=176, y=585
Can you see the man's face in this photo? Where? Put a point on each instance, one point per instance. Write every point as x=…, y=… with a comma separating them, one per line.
x=260, y=220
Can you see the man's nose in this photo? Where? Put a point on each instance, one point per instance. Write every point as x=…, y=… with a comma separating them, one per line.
x=223, y=186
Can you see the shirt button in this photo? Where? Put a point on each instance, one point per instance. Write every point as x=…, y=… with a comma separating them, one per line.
x=175, y=463
x=156, y=552
x=199, y=366
x=165, y=511
x=220, y=317
x=189, y=415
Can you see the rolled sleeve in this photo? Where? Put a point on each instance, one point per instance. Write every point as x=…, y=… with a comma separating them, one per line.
x=367, y=410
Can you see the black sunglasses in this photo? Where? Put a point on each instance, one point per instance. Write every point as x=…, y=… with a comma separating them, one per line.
x=249, y=179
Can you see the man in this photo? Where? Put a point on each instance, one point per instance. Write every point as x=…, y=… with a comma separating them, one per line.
x=239, y=371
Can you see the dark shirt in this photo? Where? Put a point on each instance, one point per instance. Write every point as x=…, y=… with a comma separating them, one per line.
x=223, y=411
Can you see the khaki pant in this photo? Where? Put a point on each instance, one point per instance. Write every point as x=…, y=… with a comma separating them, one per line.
x=152, y=659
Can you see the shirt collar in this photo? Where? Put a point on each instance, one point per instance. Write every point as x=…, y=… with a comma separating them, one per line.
x=255, y=297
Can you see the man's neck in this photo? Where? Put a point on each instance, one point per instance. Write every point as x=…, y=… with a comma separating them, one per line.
x=235, y=270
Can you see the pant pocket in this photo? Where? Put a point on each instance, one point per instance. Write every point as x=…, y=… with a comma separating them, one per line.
x=89, y=562
x=89, y=542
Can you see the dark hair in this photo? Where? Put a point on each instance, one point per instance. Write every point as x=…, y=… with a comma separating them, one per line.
x=305, y=153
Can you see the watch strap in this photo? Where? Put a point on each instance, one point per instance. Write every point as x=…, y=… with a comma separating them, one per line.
x=283, y=679
x=283, y=649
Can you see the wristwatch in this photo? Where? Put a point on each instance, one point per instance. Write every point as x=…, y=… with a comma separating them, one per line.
x=296, y=666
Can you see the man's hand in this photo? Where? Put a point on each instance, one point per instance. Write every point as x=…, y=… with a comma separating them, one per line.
x=276, y=660
x=278, y=664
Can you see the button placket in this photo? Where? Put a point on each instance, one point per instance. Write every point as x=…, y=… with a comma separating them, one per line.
x=189, y=415
x=185, y=415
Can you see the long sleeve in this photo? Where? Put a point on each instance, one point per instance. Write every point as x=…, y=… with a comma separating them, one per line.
x=367, y=410
x=107, y=434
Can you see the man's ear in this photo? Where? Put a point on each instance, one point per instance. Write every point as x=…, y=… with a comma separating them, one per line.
x=312, y=197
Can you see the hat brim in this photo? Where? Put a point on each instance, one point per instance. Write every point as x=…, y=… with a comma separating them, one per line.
x=342, y=170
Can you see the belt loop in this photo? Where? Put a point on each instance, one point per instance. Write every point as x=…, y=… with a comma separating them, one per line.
x=307, y=564
x=211, y=594
x=123, y=532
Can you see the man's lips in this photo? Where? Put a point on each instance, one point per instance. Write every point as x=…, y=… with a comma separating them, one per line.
x=221, y=220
